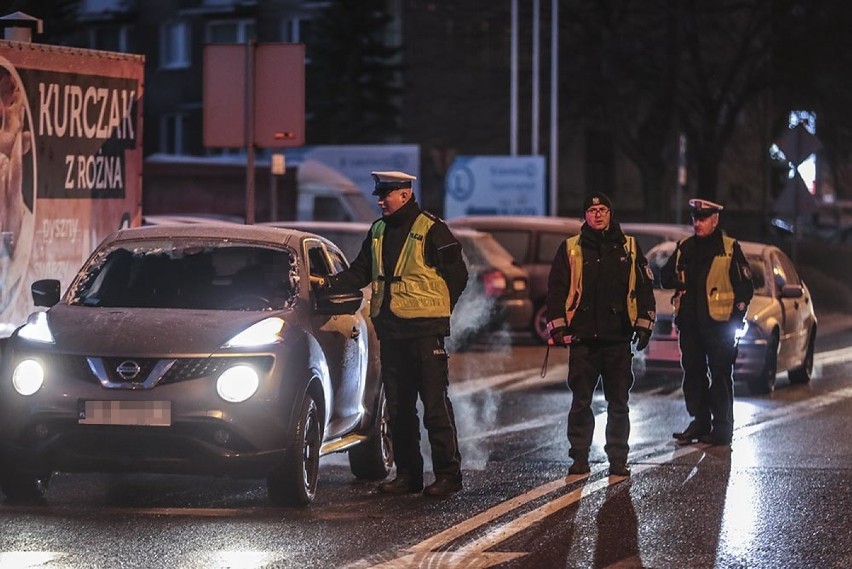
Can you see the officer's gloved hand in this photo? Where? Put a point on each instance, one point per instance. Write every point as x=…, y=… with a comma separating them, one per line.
x=641, y=337
x=559, y=336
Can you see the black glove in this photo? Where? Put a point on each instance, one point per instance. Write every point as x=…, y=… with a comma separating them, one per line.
x=559, y=335
x=641, y=337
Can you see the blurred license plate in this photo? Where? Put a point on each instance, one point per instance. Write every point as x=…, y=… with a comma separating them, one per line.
x=145, y=413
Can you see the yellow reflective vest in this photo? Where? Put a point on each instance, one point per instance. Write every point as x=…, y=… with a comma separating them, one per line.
x=719, y=289
x=575, y=287
x=416, y=289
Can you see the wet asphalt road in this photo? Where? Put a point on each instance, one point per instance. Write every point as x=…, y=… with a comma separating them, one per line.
x=779, y=497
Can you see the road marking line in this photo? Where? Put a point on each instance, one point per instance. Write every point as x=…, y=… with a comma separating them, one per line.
x=432, y=551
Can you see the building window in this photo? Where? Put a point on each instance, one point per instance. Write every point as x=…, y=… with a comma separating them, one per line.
x=300, y=30
x=172, y=128
x=230, y=31
x=174, y=45
x=111, y=38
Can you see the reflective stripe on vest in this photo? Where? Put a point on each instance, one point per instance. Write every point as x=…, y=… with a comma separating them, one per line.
x=719, y=289
x=575, y=287
x=417, y=290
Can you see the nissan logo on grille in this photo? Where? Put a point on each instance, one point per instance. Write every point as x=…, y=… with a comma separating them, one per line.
x=128, y=369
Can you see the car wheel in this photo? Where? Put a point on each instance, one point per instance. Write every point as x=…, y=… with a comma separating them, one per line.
x=23, y=487
x=539, y=324
x=372, y=459
x=803, y=373
x=294, y=483
x=764, y=382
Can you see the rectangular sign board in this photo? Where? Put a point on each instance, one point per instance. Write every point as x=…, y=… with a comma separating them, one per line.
x=495, y=185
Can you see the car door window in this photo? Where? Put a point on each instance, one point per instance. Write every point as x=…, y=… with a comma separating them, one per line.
x=790, y=274
x=318, y=262
x=338, y=261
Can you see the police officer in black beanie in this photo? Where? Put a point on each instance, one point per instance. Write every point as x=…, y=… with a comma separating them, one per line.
x=599, y=298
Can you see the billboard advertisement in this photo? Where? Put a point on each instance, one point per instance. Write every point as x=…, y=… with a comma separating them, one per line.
x=70, y=162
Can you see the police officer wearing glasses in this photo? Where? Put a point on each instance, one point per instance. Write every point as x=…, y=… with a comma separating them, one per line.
x=599, y=297
x=415, y=267
x=713, y=288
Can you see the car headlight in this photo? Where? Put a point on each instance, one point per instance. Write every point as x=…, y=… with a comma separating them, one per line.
x=265, y=332
x=37, y=329
x=238, y=383
x=28, y=377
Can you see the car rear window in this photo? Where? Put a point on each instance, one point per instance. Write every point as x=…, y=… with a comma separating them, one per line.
x=187, y=274
x=516, y=242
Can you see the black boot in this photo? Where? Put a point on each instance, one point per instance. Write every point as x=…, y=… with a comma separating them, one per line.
x=694, y=431
x=444, y=486
x=580, y=465
x=404, y=483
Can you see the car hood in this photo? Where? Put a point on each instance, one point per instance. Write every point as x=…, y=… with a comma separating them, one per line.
x=105, y=331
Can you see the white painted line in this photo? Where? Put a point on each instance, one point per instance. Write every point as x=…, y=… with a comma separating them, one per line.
x=433, y=552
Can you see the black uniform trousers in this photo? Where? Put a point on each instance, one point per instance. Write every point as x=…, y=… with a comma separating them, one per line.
x=415, y=367
x=709, y=399
x=611, y=362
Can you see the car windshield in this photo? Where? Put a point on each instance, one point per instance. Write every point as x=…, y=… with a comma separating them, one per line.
x=483, y=249
x=209, y=275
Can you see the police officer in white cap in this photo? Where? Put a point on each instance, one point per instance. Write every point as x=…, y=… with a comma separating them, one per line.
x=417, y=273
x=713, y=288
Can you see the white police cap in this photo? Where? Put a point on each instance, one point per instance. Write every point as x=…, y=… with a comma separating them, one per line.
x=704, y=208
x=389, y=181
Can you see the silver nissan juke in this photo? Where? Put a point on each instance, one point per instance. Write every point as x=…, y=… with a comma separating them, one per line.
x=194, y=349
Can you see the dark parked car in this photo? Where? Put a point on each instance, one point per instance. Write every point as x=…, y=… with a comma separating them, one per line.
x=497, y=293
x=780, y=330
x=195, y=349
x=532, y=242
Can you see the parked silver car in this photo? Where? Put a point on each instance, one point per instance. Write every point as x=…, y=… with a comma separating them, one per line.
x=780, y=330
x=196, y=349
x=497, y=292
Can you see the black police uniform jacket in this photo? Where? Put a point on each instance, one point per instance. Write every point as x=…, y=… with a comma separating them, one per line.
x=442, y=252
x=696, y=256
x=602, y=311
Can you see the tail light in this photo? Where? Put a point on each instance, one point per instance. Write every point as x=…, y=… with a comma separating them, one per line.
x=494, y=283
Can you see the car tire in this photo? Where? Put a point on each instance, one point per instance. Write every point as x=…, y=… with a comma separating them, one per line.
x=372, y=459
x=294, y=483
x=539, y=324
x=804, y=372
x=23, y=487
x=764, y=382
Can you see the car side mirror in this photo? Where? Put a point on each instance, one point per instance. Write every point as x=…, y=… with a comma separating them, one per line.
x=792, y=291
x=45, y=292
x=334, y=303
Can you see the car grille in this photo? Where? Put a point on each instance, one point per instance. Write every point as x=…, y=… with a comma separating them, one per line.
x=184, y=369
